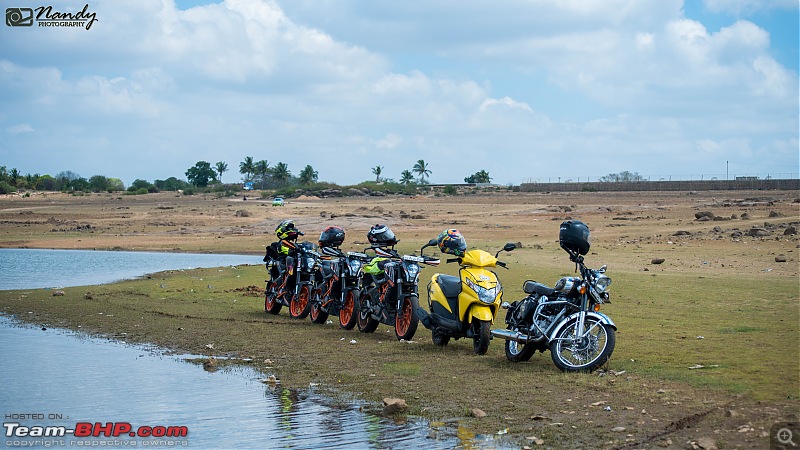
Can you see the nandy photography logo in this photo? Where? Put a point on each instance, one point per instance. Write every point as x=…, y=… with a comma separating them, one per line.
x=46, y=16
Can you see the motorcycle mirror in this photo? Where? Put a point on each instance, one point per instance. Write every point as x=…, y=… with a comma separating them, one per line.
x=431, y=243
x=602, y=268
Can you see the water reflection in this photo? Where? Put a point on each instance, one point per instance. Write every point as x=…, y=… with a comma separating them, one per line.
x=69, y=378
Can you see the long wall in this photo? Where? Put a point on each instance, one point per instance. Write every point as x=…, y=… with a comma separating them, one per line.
x=707, y=185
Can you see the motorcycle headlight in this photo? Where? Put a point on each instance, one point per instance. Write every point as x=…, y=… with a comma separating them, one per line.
x=310, y=262
x=485, y=295
x=412, y=271
x=602, y=284
x=355, y=266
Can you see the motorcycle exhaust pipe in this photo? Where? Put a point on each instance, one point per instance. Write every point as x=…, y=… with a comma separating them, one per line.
x=509, y=335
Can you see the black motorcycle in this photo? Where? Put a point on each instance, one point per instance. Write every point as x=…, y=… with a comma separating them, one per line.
x=389, y=293
x=291, y=267
x=564, y=319
x=338, y=286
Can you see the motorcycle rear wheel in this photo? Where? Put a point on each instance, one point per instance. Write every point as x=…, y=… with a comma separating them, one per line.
x=366, y=324
x=271, y=303
x=518, y=352
x=300, y=306
x=348, y=314
x=584, y=354
x=317, y=314
x=406, y=320
x=483, y=334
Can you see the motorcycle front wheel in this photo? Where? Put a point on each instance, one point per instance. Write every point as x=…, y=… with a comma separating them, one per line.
x=585, y=353
x=317, y=314
x=518, y=352
x=366, y=324
x=483, y=334
x=406, y=319
x=348, y=314
x=271, y=303
x=299, y=307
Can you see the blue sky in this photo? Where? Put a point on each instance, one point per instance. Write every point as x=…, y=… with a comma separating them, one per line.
x=524, y=89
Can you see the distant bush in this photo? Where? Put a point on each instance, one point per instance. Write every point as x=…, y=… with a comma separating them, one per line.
x=450, y=190
x=6, y=188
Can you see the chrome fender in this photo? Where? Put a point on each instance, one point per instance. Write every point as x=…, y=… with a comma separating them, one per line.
x=602, y=318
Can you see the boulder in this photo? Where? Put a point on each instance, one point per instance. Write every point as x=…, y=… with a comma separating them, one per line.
x=394, y=405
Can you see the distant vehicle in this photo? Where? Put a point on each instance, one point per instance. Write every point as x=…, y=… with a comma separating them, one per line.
x=248, y=186
x=277, y=201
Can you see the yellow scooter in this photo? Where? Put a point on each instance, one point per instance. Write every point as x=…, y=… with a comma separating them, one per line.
x=463, y=306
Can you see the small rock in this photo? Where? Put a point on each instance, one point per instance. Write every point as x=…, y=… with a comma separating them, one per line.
x=87, y=296
x=707, y=443
x=707, y=215
x=681, y=233
x=394, y=405
x=780, y=258
x=657, y=261
x=58, y=293
x=478, y=413
x=790, y=231
x=618, y=429
x=536, y=440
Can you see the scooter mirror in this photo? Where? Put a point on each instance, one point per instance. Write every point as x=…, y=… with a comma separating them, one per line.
x=510, y=246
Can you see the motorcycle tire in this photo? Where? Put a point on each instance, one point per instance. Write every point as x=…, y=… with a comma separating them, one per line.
x=517, y=352
x=406, y=320
x=300, y=305
x=271, y=303
x=483, y=335
x=348, y=314
x=586, y=354
x=317, y=314
x=365, y=322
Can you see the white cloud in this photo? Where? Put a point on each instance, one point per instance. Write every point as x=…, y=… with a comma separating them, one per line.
x=19, y=128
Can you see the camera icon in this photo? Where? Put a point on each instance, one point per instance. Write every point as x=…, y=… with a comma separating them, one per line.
x=19, y=17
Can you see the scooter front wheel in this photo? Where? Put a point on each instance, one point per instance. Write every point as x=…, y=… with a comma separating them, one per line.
x=406, y=319
x=483, y=334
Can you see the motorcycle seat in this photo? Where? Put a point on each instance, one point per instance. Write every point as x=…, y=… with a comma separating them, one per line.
x=532, y=287
x=451, y=285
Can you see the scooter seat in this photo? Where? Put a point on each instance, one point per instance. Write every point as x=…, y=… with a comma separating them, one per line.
x=451, y=285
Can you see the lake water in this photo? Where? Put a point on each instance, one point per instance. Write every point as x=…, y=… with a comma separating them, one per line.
x=57, y=378
x=43, y=268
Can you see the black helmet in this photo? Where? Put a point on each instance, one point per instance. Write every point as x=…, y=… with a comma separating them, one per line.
x=286, y=230
x=331, y=237
x=381, y=235
x=451, y=241
x=574, y=236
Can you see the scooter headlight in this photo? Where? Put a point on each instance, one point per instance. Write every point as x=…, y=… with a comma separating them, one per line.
x=485, y=295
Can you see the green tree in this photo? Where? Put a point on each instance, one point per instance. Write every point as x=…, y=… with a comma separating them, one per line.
x=201, y=174
x=45, y=183
x=171, y=184
x=406, y=177
x=14, y=175
x=479, y=177
x=377, y=170
x=99, y=183
x=421, y=169
x=262, y=171
x=115, y=184
x=308, y=175
x=247, y=168
x=222, y=167
x=281, y=173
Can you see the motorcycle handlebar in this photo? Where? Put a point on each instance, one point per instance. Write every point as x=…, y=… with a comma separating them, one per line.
x=453, y=260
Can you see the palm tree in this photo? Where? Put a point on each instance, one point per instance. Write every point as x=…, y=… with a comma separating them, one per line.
x=247, y=168
x=281, y=173
x=262, y=169
x=406, y=177
x=221, y=167
x=308, y=175
x=421, y=169
x=377, y=172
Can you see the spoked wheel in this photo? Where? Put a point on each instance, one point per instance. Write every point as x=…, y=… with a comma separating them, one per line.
x=480, y=343
x=271, y=303
x=317, y=314
x=406, y=320
x=300, y=306
x=348, y=314
x=517, y=352
x=366, y=324
x=584, y=353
